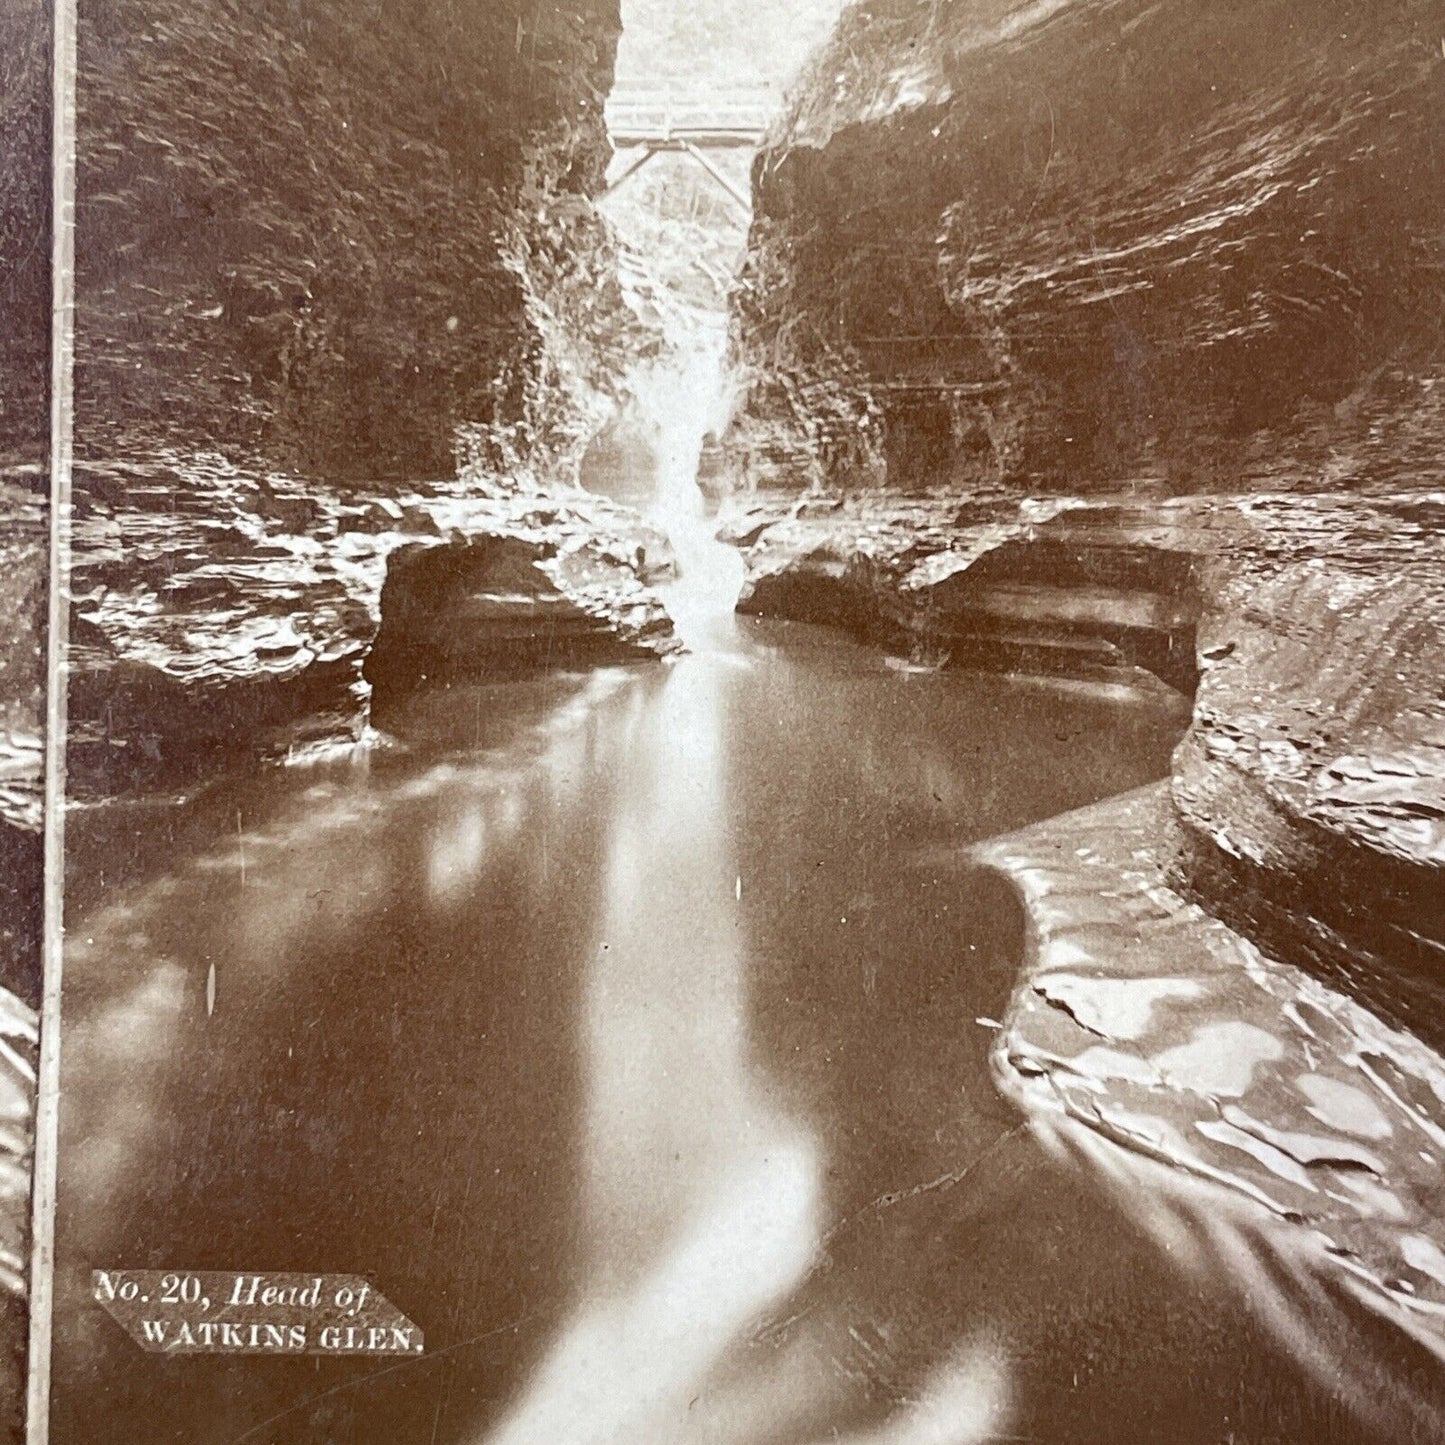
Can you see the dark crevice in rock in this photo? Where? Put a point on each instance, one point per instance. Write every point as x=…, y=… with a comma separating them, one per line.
x=497, y=607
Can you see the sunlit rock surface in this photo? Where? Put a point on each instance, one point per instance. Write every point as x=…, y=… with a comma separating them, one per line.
x=1089, y=240
x=1253, y=1118
x=1235, y=981
x=330, y=237
x=220, y=615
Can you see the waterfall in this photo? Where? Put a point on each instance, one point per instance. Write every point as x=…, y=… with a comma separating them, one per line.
x=685, y=397
x=681, y=240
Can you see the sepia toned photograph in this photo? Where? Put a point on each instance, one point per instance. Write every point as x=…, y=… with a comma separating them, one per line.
x=25, y=425
x=754, y=734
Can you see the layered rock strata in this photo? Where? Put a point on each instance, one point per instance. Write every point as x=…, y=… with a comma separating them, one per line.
x=25, y=170
x=345, y=240
x=1294, y=1136
x=1179, y=260
x=1310, y=630
x=1001, y=585
x=1082, y=241
x=325, y=256
x=219, y=617
x=1312, y=783
x=19, y=1059
x=24, y=591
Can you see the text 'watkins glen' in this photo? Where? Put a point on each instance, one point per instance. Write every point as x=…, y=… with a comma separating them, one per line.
x=217, y=1312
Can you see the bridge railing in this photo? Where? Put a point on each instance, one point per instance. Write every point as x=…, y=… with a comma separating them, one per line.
x=642, y=115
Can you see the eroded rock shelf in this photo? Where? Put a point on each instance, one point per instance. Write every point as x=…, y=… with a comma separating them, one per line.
x=1308, y=629
x=219, y=616
x=1255, y=1120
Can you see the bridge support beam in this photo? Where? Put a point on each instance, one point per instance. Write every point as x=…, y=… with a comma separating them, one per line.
x=746, y=202
x=678, y=146
x=647, y=154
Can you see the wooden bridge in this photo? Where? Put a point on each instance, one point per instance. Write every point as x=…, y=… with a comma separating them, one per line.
x=658, y=122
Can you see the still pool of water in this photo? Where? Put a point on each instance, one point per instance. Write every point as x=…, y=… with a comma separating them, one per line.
x=631, y=1033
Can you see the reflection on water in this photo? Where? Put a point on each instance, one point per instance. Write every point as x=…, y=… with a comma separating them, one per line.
x=1262, y=1126
x=626, y=1032
x=728, y=1219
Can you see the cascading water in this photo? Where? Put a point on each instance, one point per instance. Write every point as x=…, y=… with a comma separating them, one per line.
x=681, y=238
x=685, y=397
x=699, y=1194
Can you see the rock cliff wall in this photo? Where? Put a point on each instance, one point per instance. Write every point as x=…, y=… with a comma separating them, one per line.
x=24, y=431
x=25, y=171
x=24, y=232
x=332, y=238
x=1081, y=241
x=1311, y=786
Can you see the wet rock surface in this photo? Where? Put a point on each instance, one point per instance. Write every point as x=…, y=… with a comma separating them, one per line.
x=1090, y=240
x=1259, y=1122
x=498, y=606
x=346, y=241
x=19, y=1051
x=1310, y=629
x=1176, y=260
x=219, y=615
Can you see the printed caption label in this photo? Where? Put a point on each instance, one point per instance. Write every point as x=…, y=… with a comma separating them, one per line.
x=201, y=1312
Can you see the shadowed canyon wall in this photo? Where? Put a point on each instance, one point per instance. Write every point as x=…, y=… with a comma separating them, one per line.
x=25, y=262
x=1077, y=241
x=24, y=451
x=1148, y=294
x=24, y=232
x=330, y=237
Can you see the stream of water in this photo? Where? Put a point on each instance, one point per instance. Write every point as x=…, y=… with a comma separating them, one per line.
x=630, y=1032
